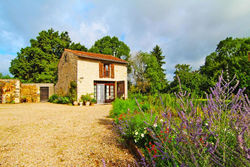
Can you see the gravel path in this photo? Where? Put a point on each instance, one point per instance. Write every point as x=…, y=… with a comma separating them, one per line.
x=44, y=134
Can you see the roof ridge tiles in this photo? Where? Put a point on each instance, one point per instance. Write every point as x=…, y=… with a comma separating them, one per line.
x=98, y=56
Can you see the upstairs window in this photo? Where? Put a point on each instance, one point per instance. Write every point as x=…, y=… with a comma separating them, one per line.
x=106, y=70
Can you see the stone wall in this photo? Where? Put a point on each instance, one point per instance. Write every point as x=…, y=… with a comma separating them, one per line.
x=67, y=72
x=9, y=91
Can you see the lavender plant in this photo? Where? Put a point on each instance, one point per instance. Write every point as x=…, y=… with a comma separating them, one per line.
x=218, y=135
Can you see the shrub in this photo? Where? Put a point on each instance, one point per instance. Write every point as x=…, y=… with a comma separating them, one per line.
x=219, y=138
x=73, y=91
x=211, y=132
x=53, y=98
x=59, y=99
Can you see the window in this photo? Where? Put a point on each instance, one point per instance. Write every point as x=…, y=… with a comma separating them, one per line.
x=106, y=70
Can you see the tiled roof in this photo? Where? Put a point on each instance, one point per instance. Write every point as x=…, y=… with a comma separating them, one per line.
x=96, y=56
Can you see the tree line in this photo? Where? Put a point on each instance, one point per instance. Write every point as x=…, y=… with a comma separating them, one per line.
x=38, y=63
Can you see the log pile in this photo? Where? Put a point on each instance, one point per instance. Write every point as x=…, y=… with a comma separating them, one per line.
x=30, y=93
x=9, y=91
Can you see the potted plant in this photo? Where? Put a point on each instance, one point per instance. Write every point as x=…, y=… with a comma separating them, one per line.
x=74, y=101
x=23, y=99
x=92, y=102
x=86, y=99
x=80, y=103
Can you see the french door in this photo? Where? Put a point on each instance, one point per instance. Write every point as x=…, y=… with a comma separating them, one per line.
x=100, y=93
x=104, y=92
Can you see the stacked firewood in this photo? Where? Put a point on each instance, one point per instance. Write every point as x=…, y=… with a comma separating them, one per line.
x=29, y=93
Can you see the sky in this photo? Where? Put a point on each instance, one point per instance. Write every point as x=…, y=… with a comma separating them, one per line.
x=186, y=30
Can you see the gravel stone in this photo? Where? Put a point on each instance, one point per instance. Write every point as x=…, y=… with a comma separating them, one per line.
x=45, y=134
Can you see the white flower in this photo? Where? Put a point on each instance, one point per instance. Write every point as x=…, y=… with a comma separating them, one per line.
x=161, y=120
x=135, y=140
x=206, y=124
x=136, y=133
x=142, y=135
x=155, y=125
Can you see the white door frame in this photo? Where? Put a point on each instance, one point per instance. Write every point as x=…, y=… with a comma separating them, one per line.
x=100, y=93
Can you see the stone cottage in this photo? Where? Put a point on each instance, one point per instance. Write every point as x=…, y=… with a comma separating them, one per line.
x=103, y=76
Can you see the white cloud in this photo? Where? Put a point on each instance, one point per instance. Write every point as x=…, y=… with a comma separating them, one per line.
x=87, y=34
x=10, y=41
x=5, y=63
x=187, y=31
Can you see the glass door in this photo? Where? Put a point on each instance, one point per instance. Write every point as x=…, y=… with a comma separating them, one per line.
x=100, y=93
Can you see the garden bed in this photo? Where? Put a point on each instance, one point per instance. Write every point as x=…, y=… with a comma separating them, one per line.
x=186, y=131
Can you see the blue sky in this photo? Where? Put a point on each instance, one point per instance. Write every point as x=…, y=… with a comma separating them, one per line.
x=186, y=30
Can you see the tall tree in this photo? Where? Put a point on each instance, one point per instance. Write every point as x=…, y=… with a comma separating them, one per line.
x=138, y=72
x=38, y=62
x=157, y=52
x=231, y=57
x=154, y=75
x=146, y=73
x=111, y=46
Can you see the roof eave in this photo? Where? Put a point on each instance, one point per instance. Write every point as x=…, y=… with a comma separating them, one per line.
x=96, y=58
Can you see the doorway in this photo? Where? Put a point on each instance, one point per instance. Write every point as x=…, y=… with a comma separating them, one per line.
x=120, y=89
x=104, y=91
x=44, y=94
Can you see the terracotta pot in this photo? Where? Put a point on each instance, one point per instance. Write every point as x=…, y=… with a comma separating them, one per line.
x=87, y=103
x=75, y=103
x=80, y=103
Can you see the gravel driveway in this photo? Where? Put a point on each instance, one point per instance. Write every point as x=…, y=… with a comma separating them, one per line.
x=44, y=134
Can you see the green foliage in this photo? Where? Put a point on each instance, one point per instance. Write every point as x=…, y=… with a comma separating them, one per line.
x=157, y=52
x=111, y=46
x=231, y=57
x=59, y=99
x=5, y=76
x=191, y=81
x=128, y=111
x=121, y=106
x=38, y=62
x=73, y=91
x=77, y=46
x=148, y=74
x=93, y=100
x=86, y=97
x=154, y=74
